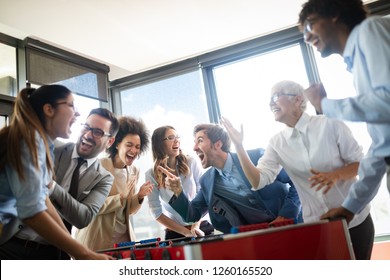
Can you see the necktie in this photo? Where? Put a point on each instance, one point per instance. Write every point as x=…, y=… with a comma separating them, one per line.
x=74, y=183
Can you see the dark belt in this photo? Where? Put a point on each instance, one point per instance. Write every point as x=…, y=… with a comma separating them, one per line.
x=387, y=159
x=29, y=243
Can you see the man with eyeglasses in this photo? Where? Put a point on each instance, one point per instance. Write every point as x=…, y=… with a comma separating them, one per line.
x=79, y=200
x=342, y=27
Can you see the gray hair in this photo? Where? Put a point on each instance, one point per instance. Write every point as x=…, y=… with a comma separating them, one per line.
x=287, y=86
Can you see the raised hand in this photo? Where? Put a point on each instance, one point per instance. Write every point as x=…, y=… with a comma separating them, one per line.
x=236, y=136
x=172, y=182
x=315, y=93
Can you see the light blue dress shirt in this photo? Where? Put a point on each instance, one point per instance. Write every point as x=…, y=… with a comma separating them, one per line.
x=231, y=187
x=367, y=55
x=25, y=198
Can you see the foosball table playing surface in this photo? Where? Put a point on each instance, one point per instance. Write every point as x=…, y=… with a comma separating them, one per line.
x=323, y=240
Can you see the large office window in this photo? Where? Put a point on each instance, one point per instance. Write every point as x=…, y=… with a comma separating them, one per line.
x=338, y=84
x=243, y=90
x=8, y=82
x=178, y=101
x=8, y=77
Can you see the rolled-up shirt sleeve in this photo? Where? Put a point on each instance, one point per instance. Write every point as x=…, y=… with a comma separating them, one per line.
x=268, y=168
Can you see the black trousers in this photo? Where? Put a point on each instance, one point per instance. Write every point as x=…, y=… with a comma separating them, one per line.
x=20, y=249
x=362, y=237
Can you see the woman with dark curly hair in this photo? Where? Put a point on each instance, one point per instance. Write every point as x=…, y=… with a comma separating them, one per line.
x=112, y=224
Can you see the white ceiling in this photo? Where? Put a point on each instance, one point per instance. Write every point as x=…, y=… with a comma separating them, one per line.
x=135, y=35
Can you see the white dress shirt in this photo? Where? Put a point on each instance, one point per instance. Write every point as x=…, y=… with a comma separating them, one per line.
x=317, y=143
x=160, y=196
x=65, y=183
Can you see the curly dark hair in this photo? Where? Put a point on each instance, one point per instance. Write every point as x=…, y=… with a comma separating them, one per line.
x=349, y=12
x=129, y=125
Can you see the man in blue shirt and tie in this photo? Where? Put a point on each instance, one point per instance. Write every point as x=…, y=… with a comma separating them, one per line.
x=342, y=27
x=225, y=191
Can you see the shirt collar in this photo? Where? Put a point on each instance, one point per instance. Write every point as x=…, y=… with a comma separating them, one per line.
x=75, y=155
x=301, y=126
x=303, y=123
x=227, y=167
x=50, y=143
x=350, y=46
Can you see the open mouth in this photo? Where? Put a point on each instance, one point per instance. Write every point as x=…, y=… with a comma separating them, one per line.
x=315, y=42
x=201, y=156
x=86, y=145
x=129, y=158
x=175, y=147
x=71, y=123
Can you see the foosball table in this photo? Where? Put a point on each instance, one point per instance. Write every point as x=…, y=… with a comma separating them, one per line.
x=323, y=240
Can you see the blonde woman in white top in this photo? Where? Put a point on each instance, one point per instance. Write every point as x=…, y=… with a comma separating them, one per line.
x=112, y=225
x=319, y=154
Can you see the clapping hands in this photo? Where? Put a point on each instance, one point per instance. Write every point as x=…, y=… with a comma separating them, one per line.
x=145, y=190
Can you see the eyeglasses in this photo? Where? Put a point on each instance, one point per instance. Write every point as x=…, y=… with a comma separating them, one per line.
x=71, y=105
x=275, y=97
x=308, y=26
x=96, y=132
x=172, y=138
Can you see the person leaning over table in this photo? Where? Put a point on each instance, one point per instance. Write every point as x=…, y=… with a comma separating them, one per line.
x=342, y=27
x=226, y=193
x=78, y=200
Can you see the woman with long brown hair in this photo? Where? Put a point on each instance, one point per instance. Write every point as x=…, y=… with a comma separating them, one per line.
x=30, y=225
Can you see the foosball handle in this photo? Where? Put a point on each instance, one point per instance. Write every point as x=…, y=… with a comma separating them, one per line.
x=132, y=243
